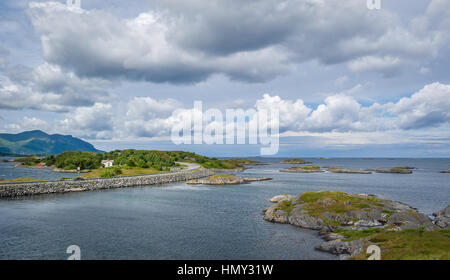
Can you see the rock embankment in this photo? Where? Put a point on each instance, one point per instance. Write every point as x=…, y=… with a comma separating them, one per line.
x=37, y=188
x=332, y=212
x=224, y=179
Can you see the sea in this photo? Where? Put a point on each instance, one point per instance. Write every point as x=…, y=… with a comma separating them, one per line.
x=178, y=221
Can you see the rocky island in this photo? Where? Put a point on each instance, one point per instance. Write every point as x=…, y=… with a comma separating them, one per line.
x=394, y=170
x=349, y=223
x=446, y=171
x=295, y=161
x=303, y=169
x=348, y=171
x=224, y=179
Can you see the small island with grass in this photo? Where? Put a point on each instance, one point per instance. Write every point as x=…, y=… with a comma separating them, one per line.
x=303, y=169
x=295, y=161
x=224, y=179
x=129, y=162
x=349, y=223
x=394, y=170
x=348, y=171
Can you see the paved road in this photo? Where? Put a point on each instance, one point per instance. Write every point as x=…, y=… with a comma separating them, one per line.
x=190, y=166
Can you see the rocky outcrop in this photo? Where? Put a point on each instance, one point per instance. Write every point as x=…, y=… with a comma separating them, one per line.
x=295, y=161
x=339, y=247
x=442, y=218
x=348, y=171
x=303, y=169
x=446, y=171
x=281, y=197
x=327, y=212
x=37, y=188
x=224, y=179
x=394, y=170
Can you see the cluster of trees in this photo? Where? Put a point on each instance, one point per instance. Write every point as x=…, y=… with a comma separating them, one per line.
x=159, y=160
x=111, y=172
x=29, y=161
x=74, y=159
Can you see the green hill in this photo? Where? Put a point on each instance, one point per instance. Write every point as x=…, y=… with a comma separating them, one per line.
x=37, y=142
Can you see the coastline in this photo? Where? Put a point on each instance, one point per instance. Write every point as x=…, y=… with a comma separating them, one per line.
x=38, y=188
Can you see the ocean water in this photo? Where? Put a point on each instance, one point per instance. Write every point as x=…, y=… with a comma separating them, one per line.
x=8, y=171
x=178, y=221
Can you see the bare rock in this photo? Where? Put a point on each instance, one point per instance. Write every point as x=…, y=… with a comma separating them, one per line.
x=339, y=247
x=442, y=219
x=281, y=197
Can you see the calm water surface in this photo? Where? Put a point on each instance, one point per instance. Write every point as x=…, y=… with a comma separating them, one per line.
x=201, y=222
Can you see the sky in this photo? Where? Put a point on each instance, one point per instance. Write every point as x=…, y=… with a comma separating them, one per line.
x=348, y=81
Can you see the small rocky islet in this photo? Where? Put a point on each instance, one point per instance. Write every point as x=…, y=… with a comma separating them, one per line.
x=295, y=161
x=303, y=169
x=225, y=179
x=312, y=168
x=349, y=223
x=446, y=171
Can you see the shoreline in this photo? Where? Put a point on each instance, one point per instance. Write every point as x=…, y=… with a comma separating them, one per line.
x=50, y=187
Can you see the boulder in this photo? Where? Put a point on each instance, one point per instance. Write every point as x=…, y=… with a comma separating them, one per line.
x=339, y=247
x=411, y=220
x=298, y=217
x=275, y=215
x=281, y=197
x=442, y=219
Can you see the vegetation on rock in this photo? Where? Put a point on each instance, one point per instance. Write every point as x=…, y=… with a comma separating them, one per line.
x=303, y=169
x=224, y=179
x=350, y=222
x=295, y=161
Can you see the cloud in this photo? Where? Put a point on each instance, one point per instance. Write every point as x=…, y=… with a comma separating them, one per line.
x=387, y=65
x=27, y=123
x=339, y=113
x=251, y=41
x=92, y=122
x=47, y=87
x=429, y=107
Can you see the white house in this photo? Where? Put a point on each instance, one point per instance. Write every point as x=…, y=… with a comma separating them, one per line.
x=107, y=163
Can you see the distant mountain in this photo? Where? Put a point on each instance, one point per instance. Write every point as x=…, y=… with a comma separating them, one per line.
x=37, y=142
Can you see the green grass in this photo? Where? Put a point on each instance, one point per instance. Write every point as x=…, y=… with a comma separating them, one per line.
x=357, y=234
x=286, y=206
x=213, y=163
x=412, y=244
x=125, y=172
x=21, y=180
x=337, y=203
